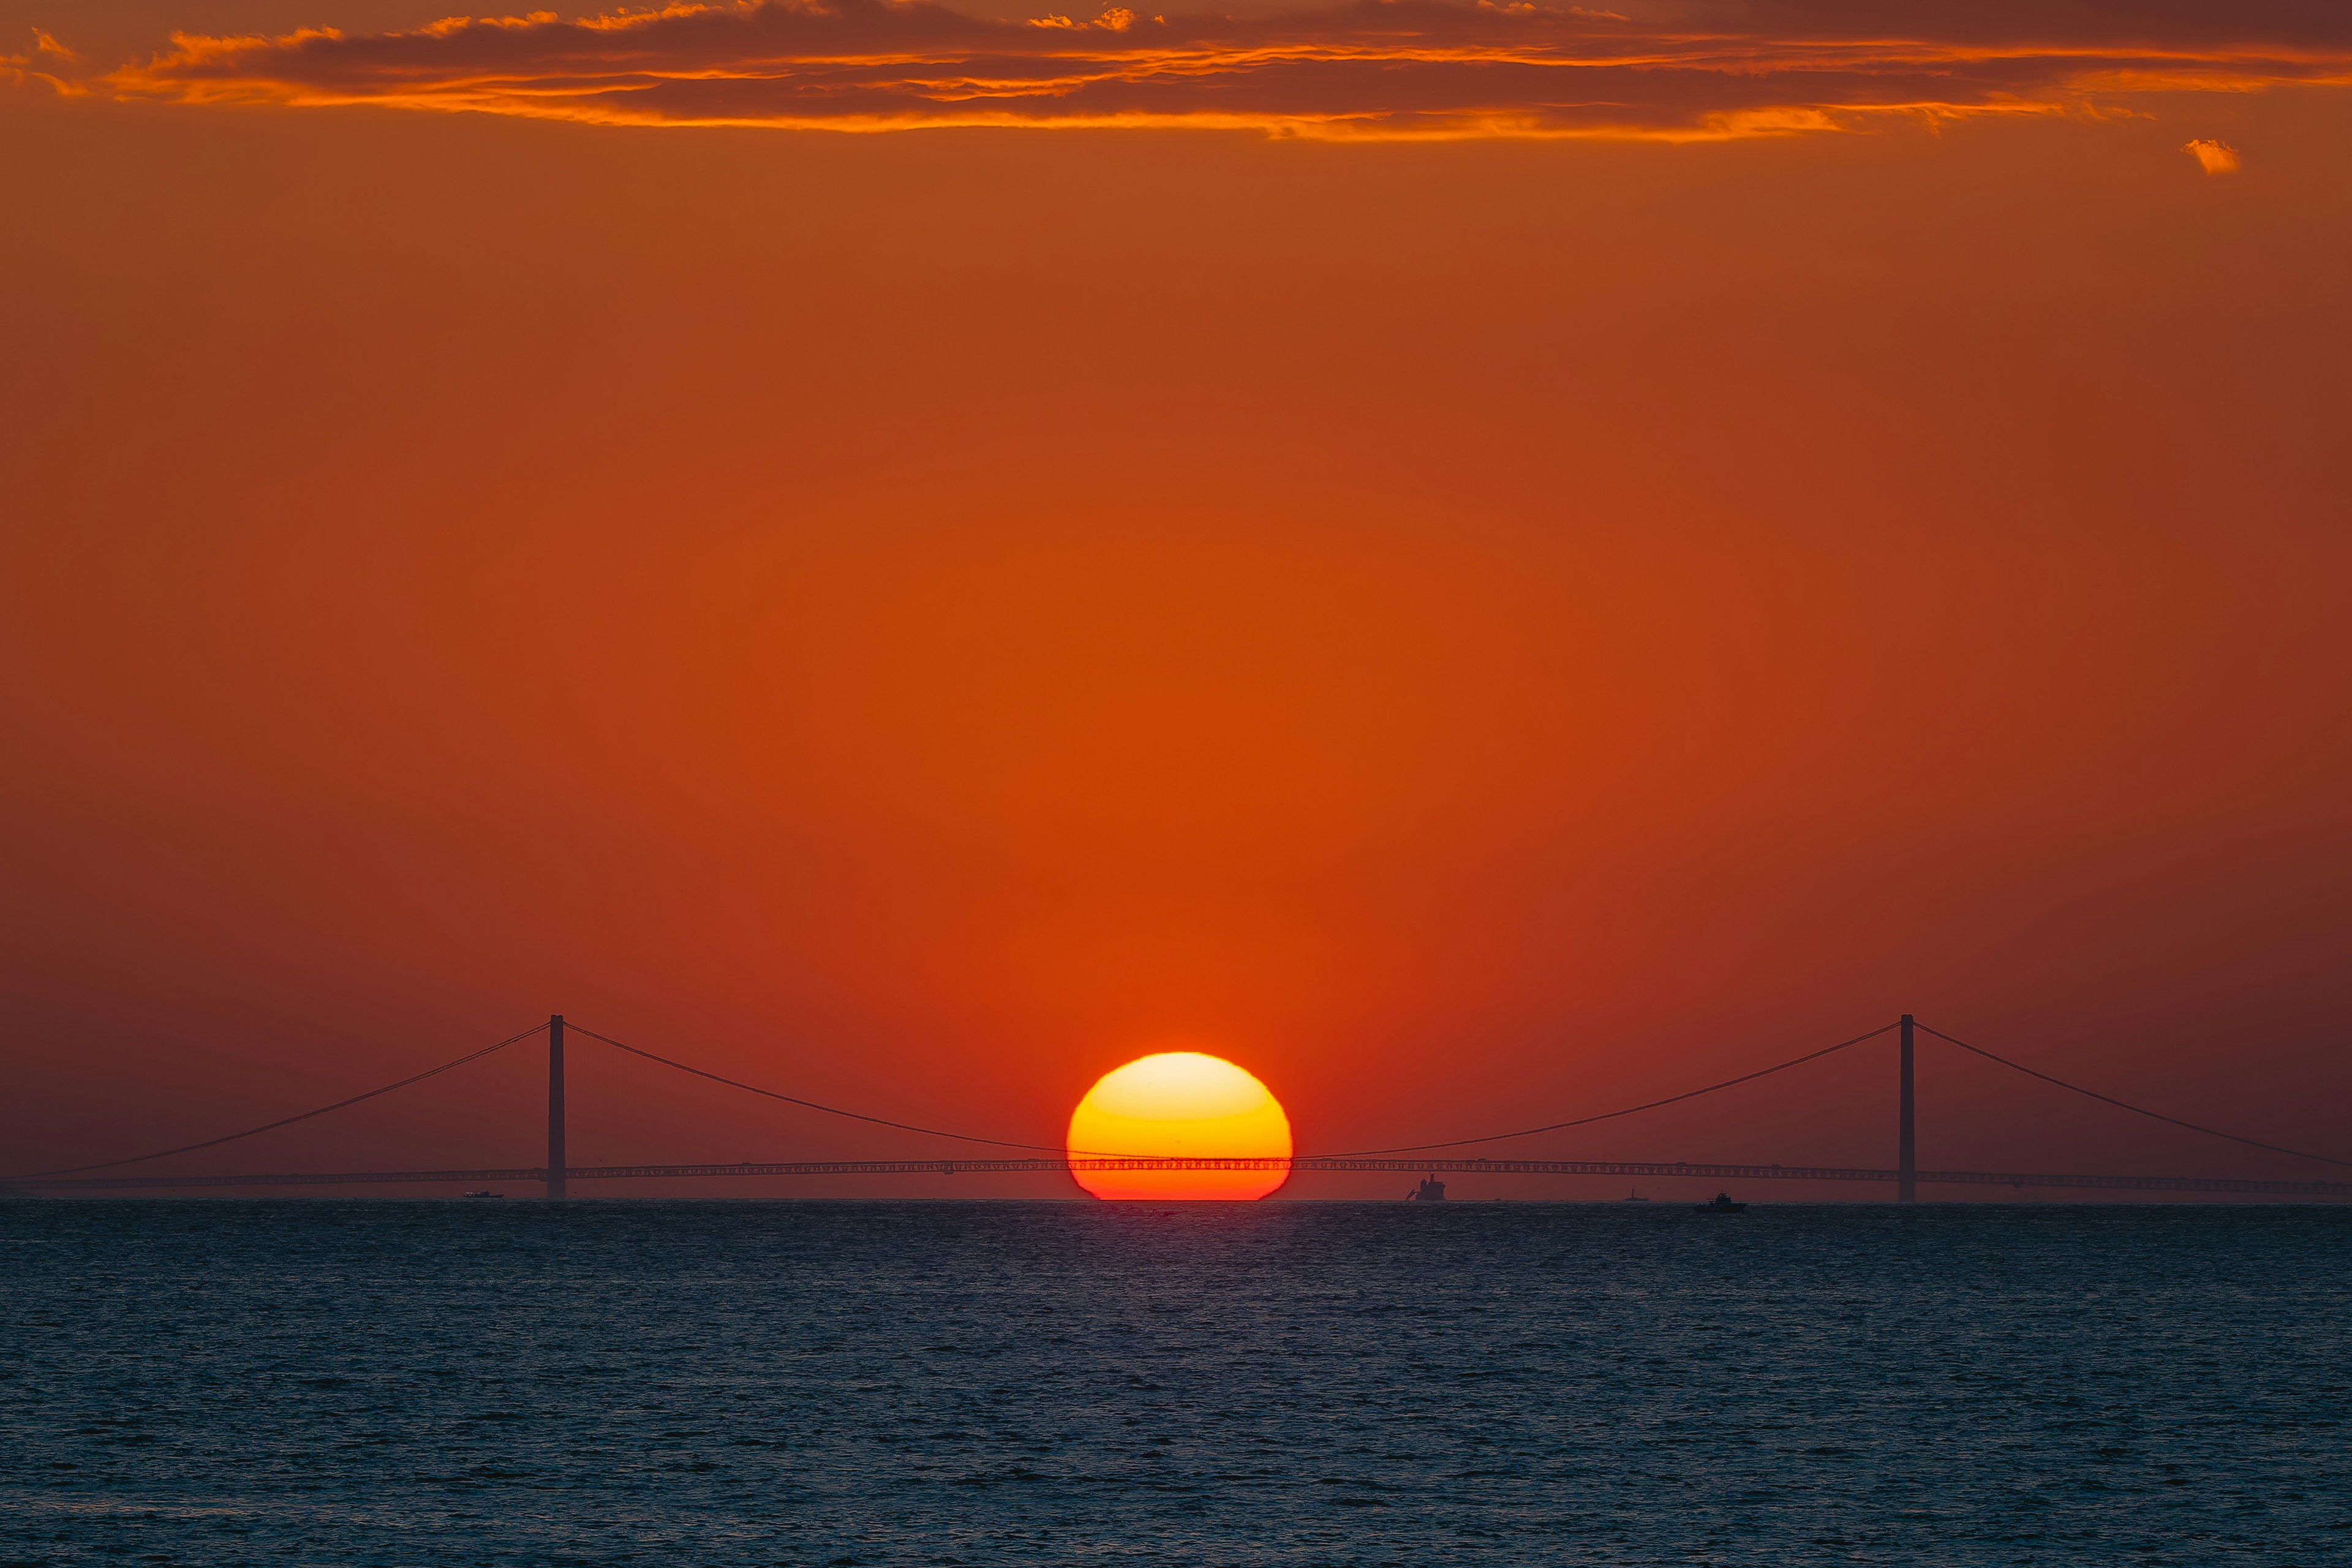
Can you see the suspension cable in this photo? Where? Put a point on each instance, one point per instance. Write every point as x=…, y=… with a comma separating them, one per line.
x=289, y=1121
x=1629, y=1110
x=2124, y=1105
x=813, y=1105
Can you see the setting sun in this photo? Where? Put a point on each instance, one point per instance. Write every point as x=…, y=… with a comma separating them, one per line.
x=1180, y=1103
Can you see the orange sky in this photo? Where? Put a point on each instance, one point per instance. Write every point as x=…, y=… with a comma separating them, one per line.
x=1467, y=628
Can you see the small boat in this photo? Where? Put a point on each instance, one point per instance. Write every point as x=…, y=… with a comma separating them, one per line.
x=1722, y=1204
x=486, y=1194
x=1633, y=1196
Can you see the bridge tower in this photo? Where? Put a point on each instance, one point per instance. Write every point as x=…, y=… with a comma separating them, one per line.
x=1907, y=1153
x=555, y=1157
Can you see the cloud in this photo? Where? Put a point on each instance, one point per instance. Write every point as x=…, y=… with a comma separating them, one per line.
x=1385, y=68
x=2213, y=157
x=43, y=62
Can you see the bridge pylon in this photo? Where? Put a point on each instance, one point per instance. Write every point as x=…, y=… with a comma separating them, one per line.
x=1906, y=1148
x=556, y=1156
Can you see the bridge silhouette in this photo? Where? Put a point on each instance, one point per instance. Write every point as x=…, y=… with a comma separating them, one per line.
x=558, y=1174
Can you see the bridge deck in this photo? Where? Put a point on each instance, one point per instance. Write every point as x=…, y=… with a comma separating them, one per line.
x=1710, y=1171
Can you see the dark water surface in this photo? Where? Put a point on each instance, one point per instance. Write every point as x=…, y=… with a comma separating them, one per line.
x=306, y=1381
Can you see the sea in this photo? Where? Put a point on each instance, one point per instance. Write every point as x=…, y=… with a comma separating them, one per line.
x=324, y=1382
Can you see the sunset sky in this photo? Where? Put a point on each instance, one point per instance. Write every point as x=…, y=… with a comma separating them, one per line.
x=1480, y=562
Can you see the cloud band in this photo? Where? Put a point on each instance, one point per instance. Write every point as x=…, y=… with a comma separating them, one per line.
x=1378, y=69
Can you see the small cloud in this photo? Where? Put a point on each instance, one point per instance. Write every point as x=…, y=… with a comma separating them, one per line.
x=2213, y=157
x=1118, y=19
x=27, y=68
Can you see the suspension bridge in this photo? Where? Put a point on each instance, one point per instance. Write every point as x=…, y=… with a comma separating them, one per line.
x=556, y=1175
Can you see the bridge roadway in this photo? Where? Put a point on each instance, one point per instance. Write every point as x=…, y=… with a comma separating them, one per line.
x=1320, y=1162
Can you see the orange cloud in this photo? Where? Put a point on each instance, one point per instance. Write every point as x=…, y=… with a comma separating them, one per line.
x=1389, y=69
x=43, y=62
x=2213, y=157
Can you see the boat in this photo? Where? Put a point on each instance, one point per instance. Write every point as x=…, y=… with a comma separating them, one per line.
x=1431, y=1190
x=1722, y=1204
x=486, y=1194
x=1633, y=1196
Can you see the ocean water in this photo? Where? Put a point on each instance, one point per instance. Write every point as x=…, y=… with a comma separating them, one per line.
x=413, y=1383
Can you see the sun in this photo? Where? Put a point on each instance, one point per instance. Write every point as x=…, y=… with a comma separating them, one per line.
x=1180, y=1103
